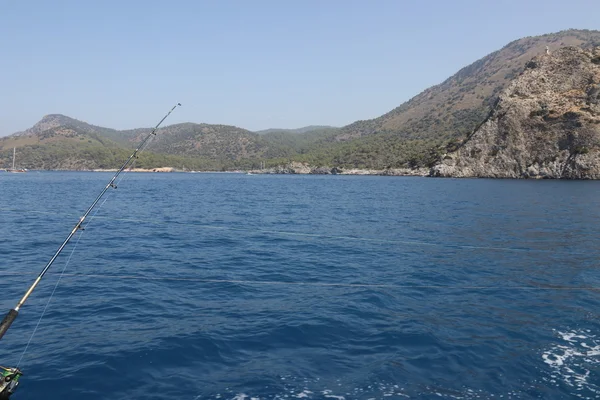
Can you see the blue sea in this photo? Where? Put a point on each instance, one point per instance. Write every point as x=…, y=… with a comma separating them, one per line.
x=230, y=286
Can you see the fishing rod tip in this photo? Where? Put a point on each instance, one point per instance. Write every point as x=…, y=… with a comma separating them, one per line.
x=179, y=104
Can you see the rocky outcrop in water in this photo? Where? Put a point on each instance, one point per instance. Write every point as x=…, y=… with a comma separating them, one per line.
x=546, y=124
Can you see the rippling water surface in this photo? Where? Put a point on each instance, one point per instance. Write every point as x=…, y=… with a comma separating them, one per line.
x=228, y=286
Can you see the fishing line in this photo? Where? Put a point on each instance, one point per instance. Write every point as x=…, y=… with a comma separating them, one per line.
x=121, y=178
x=13, y=313
x=49, y=300
x=11, y=376
x=311, y=235
x=61, y=276
x=326, y=284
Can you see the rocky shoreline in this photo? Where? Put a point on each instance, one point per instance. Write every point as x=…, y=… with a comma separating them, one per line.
x=306, y=169
x=160, y=169
x=295, y=169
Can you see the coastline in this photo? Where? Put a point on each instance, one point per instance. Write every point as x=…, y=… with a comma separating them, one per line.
x=305, y=169
x=160, y=169
x=287, y=170
x=353, y=171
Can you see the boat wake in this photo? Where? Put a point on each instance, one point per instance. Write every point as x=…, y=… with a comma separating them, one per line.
x=575, y=362
x=292, y=387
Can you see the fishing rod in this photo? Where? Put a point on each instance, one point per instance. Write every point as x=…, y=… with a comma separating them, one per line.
x=9, y=377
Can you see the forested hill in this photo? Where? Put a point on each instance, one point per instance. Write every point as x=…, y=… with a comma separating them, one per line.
x=61, y=142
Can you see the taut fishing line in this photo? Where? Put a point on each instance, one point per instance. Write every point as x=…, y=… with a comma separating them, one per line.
x=9, y=378
x=63, y=273
x=327, y=284
x=311, y=235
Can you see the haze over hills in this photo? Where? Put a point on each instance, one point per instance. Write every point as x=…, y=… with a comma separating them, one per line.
x=415, y=134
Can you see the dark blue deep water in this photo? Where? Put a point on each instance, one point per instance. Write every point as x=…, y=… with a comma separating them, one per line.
x=228, y=286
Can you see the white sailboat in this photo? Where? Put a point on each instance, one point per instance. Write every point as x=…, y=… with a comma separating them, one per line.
x=13, y=169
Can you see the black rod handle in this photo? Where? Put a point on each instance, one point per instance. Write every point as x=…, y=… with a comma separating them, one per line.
x=7, y=321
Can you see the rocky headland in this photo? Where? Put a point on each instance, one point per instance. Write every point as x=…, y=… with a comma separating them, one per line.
x=545, y=124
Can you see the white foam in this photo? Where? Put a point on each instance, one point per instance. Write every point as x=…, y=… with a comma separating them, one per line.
x=573, y=361
x=304, y=393
x=327, y=393
x=569, y=336
x=312, y=388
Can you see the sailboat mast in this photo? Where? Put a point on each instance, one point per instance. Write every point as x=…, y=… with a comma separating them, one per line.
x=14, y=155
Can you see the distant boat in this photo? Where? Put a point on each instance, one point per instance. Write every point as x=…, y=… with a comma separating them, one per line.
x=13, y=169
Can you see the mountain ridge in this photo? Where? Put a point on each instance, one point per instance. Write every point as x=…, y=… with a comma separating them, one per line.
x=458, y=88
x=413, y=135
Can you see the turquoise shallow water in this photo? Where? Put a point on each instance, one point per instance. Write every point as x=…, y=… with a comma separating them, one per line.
x=228, y=286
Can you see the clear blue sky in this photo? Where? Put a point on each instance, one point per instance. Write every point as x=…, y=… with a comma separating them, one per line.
x=250, y=63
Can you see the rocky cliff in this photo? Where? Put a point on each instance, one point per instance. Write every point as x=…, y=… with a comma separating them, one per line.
x=545, y=124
